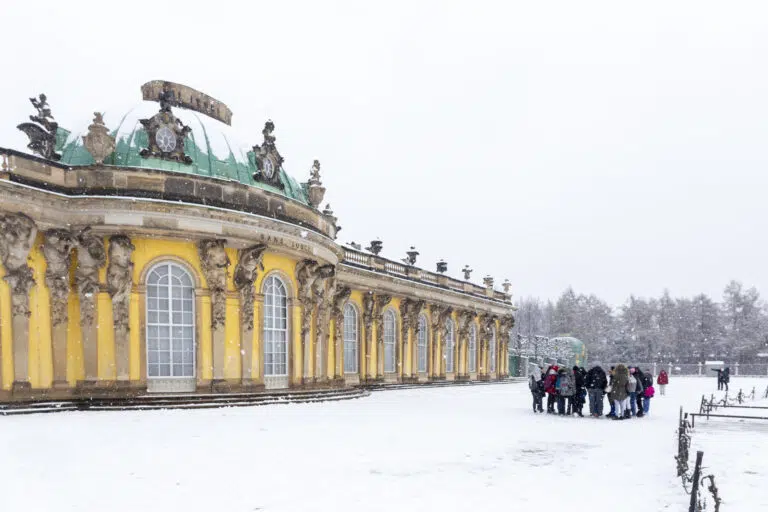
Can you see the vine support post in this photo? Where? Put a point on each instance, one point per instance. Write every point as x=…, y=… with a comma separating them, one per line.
x=696, y=477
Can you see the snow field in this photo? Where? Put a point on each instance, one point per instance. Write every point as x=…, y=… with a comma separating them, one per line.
x=421, y=449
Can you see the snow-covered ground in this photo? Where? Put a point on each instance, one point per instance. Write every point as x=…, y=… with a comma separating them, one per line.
x=428, y=449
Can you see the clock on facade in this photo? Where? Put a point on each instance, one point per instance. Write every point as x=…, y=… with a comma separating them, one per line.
x=269, y=168
x=166, y=139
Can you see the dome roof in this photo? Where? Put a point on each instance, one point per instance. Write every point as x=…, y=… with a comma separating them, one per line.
x=212, y=146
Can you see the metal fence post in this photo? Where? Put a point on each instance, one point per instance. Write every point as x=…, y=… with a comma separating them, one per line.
x=696, y=477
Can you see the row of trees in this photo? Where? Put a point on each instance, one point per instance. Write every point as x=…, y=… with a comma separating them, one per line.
x=664, y=329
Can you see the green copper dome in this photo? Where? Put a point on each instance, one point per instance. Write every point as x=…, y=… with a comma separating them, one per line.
x=212, y=146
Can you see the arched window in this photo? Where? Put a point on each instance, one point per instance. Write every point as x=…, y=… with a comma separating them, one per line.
x=350, y=339
x=492, y=349
x=275, y=327
x=390, y=330
x=170, y=322
x=422, y=344
x=449, y=343
x=473, y=349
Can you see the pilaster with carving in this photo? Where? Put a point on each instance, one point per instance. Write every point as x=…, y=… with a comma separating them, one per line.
x=57, y=249
x=409, y=314
x=249, y=262
x=380, y=302
x=444, y=316
x=306, y=273
x=91, y=256
x=466, y=319
x=368, y=317
x=17, y=236
x=215, y=262
x=322, y=297
x=119, y=283
x=340, y=295
x=506, y=324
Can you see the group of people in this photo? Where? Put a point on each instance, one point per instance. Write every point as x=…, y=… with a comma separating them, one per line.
x=629, y=390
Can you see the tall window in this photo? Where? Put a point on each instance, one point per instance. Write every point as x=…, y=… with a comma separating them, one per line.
x=449, y=342
x=390, y=328
x=492, y=348
x=350, y=339
x=170, y=322
x=275, y=327
x=473, y=349
x=422, y=344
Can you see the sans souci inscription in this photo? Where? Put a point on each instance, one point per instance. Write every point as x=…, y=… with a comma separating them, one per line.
x=285, y=242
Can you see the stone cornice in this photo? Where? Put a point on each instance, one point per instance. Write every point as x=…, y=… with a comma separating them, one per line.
x=359, y=278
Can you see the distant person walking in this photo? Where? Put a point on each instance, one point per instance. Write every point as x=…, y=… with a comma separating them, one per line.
x=662, y=380
x=596, y=382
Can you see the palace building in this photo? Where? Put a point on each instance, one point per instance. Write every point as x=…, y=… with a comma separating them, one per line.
x=153, y=252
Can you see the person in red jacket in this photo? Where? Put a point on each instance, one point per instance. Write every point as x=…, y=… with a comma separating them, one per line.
x=662, y=380
x=549, y=388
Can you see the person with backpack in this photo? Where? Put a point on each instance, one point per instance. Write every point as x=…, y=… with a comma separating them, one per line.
x=596, y=382
x=536, y=385
x=579, y=376
x=662, y=380
x=565, y=390
x=635, y=391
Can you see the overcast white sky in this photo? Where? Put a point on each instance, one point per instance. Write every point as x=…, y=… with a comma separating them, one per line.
x=613, y=146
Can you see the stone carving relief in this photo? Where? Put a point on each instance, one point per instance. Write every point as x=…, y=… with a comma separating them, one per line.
x=120, y=279
x=91, y=256
x=315, y=186
x=409, y=312
x=99, y=143
x=339, y=297
x=305, y=277
x=42, y=130
x=466, y=318
x=214, y=261
x=368, y=314
x=57, y=250
x=17, y=235
x=246, y=271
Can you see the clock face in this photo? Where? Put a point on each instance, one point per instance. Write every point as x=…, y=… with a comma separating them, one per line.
x=269, y=168
x=166, y=139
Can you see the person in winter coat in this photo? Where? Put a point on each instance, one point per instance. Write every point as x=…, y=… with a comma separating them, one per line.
x=536, y=385
x=579, y=376
x=620, y=389
x=635, y=392
x=609, y=390
x=565, y=391
x=648, y=392
x=640, y=392
x=719, y=378
x=662, y=381
x=726, y=378
x=596, y=382
x=549, y=388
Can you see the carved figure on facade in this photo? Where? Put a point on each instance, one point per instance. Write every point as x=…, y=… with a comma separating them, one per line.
x=315, y=186
x=409, y=314
x=380, y=302
x=249, y=263
x=99, y=143
x=305, y=278
x=42, y=130
x=120, y=279
x=91, y=256
x=166, y=133
x=466, y=319
x=268, y=159
x=17, y=235
x=214, y=262
x=339, y=299
x=368, y=318
x=57, y=250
